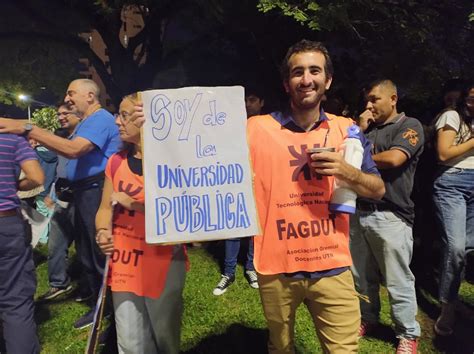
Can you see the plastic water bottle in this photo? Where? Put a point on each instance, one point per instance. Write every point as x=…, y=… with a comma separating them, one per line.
x=343, y=199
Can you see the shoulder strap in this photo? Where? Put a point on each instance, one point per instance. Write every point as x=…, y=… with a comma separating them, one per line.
x=342, y=123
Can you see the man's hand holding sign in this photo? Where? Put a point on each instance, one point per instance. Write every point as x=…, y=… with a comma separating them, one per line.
x=199, y=185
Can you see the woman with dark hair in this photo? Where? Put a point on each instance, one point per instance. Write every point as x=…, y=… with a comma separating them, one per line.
x=146, y=281
x=454, y=201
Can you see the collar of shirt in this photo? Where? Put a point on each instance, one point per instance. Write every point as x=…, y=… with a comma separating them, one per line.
x=287, y=121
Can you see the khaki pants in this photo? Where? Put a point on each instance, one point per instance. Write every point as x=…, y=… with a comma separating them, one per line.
x=332, y=302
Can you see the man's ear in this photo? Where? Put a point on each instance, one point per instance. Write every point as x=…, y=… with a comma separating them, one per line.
x=328, y=82
x=286, y=86
x=394, y=99
x=90, y=96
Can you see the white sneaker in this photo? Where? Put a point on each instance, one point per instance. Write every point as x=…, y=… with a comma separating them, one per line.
x=251, y=276
x=224, y=283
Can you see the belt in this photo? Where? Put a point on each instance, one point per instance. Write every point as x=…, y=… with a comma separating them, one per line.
x=11, y=212
x=373, y=207
x=87, y=182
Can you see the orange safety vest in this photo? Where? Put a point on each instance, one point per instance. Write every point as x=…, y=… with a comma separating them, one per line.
x=135, y=266
x=299, y=233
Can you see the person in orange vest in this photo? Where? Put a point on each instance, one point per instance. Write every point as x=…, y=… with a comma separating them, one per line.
x=147, y=281
x=302, y=255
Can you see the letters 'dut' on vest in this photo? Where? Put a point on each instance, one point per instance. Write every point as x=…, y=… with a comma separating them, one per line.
x=198, y=180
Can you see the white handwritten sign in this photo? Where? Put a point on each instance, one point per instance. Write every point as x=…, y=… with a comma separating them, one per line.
x=198, y=180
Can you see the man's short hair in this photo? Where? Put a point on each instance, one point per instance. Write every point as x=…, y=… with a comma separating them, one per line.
x=62, y=104
x=385, y=83
x=91, y=86
x=306, y=46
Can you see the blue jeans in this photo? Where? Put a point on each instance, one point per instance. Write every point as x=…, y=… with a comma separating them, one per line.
x=382, y=246
x=86, y=203
x=232, y=247
x=61, y=235
x=17, y=287
x=454, y=201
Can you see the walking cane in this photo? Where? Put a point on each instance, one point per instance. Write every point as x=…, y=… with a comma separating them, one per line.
x=93, y=339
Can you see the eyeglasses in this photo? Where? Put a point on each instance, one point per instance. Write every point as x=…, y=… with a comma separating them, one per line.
x=124, y=116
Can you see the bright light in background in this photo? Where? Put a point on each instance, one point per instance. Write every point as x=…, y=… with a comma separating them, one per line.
x=29, y=101
x=22, y=97
x=25, y=98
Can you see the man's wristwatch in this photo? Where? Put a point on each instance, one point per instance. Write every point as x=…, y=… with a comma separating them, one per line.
x=28, y=128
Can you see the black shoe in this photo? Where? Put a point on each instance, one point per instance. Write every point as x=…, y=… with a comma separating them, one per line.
x=85, y=321
x=251, y=276
x=224, y=283
x=83, y=297
x=53, y=293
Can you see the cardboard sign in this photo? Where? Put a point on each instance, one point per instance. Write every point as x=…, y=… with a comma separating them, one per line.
x=198, y=180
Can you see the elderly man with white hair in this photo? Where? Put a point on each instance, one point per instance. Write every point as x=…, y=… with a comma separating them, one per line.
x=95, y=139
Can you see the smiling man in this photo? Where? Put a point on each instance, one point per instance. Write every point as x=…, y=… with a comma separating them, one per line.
x=381, y=231
x=95, y=139
x=62, y=231
x=302, y=255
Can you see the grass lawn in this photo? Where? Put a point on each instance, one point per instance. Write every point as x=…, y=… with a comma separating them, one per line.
x=234, y=322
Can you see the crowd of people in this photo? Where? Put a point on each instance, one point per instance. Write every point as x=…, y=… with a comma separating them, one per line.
x=332, y=262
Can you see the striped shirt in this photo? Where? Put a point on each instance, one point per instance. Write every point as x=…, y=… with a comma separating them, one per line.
x=14, y=150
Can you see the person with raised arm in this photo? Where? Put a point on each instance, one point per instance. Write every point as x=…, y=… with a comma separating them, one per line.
x=95, y=139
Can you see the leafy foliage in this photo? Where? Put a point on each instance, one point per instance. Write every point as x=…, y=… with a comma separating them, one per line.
x=39, y=42
x=419, y=44
x=304, y=12
x=33, y=57
x=46, y=118
x=9, y=91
